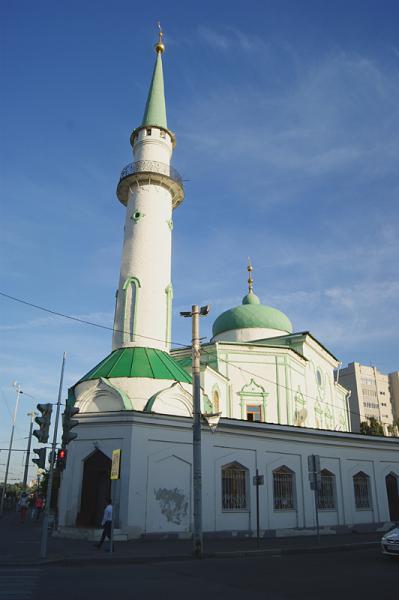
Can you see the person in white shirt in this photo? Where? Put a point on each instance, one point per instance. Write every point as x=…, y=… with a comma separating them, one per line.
x=106, y=523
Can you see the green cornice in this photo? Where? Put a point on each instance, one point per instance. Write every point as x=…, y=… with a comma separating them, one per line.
x=155, y=108
x=138, y=362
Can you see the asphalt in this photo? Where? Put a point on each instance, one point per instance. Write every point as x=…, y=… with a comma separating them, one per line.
x=20, y=546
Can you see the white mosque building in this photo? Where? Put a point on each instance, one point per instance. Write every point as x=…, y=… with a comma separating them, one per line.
x=274, y=390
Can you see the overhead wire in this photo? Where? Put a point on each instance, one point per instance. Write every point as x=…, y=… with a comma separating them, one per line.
x=173, y=343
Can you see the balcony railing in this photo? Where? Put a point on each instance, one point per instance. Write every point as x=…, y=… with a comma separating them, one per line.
x=151, y=166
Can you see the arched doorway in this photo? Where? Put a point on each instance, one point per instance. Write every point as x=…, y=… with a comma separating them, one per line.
x=96, y=488
x=391, y=482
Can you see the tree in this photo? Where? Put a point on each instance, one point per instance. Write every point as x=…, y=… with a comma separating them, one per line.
x=371, y=427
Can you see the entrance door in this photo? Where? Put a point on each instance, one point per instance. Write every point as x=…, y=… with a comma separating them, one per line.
x=393, y=496
x=96, y=489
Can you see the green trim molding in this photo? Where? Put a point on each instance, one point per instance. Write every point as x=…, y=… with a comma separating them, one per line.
x=129, y=319
x=169, y=300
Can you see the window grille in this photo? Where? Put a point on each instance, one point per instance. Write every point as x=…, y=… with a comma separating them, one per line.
x=283, y=489
x=234, y=487
x=362, y=492
x=326, y=495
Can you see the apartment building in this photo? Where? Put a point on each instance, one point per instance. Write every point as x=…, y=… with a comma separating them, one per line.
x=370, y=395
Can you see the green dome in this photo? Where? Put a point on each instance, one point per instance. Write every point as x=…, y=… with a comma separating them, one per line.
x=251, y=314
x=148, y=363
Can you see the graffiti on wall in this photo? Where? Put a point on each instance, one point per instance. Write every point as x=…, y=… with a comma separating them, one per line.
x=173, y=504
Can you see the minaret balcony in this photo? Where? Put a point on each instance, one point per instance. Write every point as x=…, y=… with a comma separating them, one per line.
x=145, y=172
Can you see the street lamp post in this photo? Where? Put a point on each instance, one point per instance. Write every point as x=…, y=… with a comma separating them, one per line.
x=3, y=495
x=32, y=415
x=195, y=313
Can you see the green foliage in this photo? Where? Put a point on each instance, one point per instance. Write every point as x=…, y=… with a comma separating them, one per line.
x=371, y=427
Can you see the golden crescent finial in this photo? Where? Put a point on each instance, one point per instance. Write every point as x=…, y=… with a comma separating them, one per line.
x=250, y=280
x=160, y=46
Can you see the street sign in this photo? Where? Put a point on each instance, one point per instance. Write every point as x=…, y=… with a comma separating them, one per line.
x=258, y=479
x=116, y=464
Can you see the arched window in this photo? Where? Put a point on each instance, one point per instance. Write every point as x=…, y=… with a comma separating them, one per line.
x=284, y=489
x=215, y=401
x=361, y=486
x=131, y=289
x=326, y=495
x=169, y=300
x=234, y=487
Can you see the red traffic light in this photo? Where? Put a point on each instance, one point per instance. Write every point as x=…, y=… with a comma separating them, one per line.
x=61, y=454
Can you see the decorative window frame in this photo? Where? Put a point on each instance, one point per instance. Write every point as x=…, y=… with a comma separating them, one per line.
x=253, y=393
x=129, y=320
x=239, y=467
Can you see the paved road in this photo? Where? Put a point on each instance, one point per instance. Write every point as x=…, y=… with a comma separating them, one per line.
x=331, y=576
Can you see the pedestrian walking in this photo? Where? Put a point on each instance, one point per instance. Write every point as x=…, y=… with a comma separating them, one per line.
x=39, y=504
x=23, y=505
x=106, y=524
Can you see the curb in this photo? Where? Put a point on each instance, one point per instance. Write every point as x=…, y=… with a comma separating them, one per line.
x=113, y=560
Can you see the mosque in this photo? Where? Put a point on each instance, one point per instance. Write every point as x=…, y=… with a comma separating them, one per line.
x=269, y=397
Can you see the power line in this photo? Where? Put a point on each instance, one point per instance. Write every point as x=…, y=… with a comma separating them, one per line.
x=84, y=321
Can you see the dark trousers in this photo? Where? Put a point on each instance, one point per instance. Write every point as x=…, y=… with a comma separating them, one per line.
x=106, y=532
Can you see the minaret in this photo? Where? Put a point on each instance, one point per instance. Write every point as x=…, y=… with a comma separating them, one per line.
x=150, y=189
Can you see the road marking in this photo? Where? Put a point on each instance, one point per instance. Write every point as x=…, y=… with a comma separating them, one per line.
x=19, y=583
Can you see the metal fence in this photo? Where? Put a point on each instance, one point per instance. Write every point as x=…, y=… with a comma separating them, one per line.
x=151, y=166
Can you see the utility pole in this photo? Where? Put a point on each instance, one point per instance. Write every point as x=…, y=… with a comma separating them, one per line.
x=3, y=495
x=32, y=415
x=195, y=313
x=43, y=544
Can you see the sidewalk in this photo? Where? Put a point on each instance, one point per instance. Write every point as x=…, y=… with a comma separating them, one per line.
x=20, y=545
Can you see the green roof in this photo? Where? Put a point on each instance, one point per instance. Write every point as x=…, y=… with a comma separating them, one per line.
x=155, y=109
x=138, y=362
x=251, y=315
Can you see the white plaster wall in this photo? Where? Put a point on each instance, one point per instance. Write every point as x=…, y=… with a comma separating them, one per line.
x=138, y=389
x=146, y=252
x=156, y=491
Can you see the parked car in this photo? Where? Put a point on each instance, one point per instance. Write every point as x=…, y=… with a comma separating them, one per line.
x=390, y=542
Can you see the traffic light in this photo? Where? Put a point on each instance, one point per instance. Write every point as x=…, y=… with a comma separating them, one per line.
x=61, y=459
x=43, y=422
x=69, y=423
x=40, y=461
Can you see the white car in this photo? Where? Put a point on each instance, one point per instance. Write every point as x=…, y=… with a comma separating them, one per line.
x=390, y=542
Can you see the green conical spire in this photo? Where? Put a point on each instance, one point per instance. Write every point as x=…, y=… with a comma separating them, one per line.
x=155, y=109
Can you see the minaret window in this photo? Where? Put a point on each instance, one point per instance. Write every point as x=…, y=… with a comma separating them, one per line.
x=162, y=134
x=148, y=131
x=169, y=299
x=131, y=287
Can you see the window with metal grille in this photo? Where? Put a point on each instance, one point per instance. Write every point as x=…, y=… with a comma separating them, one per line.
x=234, y=487
x=326, y=495
x=362, y=490
x=283, y=489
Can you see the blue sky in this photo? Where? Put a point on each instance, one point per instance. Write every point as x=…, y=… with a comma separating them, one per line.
x=287, y=121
